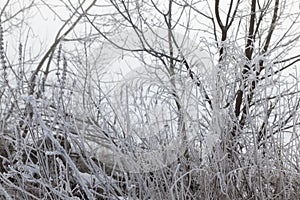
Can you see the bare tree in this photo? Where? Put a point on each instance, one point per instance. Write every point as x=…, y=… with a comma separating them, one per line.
x=250, y=98
x=155, y=100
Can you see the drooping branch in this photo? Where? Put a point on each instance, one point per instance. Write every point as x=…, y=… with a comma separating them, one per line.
x=49, y=54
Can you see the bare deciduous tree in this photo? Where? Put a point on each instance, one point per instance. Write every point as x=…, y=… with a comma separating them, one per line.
x=155, y=100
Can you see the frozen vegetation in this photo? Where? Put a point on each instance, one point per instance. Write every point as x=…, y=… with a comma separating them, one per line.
x=149, y=99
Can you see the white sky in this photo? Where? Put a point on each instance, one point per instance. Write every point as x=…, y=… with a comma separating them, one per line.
x=44, y=24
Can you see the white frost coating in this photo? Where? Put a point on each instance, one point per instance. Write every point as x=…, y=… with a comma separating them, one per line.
x=91, y=180
x=210, y=141
x=31, y=100
x=4, y=193
x=140, y=162
x=129, y=75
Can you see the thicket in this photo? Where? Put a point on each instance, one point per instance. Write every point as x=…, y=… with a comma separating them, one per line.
x=205, y=104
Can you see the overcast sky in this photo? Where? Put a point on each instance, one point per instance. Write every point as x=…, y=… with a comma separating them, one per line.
x=44, y=25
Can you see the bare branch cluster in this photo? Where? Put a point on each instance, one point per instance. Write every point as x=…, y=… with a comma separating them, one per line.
x=174, y=99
